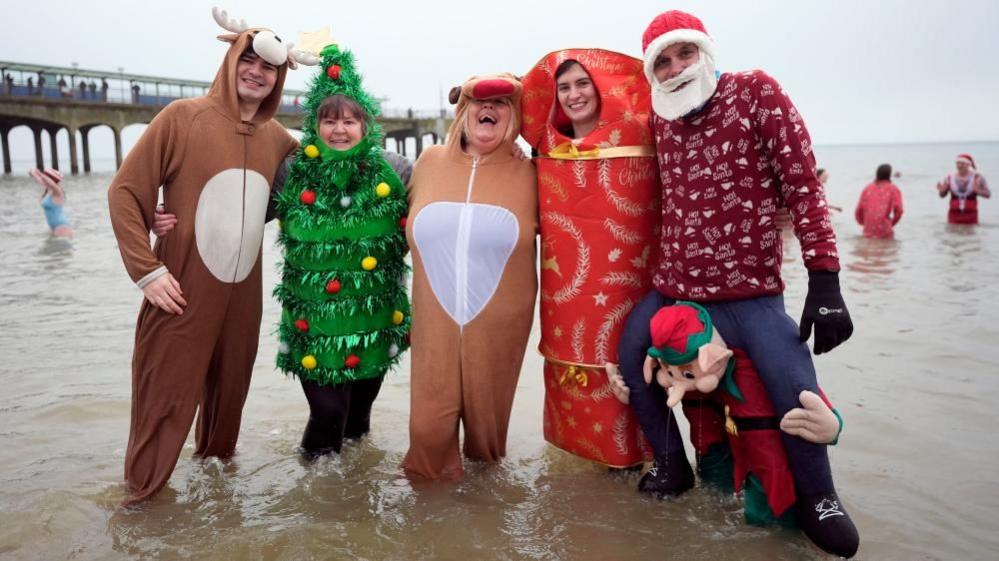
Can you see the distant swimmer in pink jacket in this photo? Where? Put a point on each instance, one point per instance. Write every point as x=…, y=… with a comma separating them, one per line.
x=880, y=206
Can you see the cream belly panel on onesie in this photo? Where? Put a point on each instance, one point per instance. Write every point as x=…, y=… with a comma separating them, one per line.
x=229, y=222
x=464, y=248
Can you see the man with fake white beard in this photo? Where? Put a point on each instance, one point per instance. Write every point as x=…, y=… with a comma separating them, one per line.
x=732, y=148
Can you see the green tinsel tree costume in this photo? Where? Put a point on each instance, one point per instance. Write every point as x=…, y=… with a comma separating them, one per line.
x=343, y=213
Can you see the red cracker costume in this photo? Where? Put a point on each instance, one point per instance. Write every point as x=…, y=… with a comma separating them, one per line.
x=216, y=171
x=598, y=209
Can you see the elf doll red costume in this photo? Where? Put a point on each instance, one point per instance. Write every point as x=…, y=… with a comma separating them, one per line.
x=729, y=411
x=597, y=200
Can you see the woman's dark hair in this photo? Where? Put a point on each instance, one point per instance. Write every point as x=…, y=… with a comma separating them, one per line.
x=883, y=173
x=565, y=66
x=336, y=106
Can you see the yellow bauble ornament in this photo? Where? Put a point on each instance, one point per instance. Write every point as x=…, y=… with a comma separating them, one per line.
x=369, y=263
x=383, y=190
x=397, y=317
x=311, y=151
x=309, y=362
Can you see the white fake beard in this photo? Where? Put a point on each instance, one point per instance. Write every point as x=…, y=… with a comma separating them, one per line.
x=672, y=105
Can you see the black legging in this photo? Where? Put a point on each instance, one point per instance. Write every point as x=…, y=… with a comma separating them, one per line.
x=338, y=412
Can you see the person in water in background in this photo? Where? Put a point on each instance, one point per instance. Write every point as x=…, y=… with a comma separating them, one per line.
x=880, y=206
x=964, y=187
x=53, y=199
x=823, y=176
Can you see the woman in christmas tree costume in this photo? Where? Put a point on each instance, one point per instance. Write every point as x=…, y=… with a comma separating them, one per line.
x=345, y=318
x=474, y=209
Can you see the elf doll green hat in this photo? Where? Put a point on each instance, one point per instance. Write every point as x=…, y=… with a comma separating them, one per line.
x=678, y=332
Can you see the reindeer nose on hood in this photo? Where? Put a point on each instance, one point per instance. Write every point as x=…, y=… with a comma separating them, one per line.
x=488, y=89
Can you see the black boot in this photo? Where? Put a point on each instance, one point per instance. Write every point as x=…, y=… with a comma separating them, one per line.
x=669, y=476
x=824, y=520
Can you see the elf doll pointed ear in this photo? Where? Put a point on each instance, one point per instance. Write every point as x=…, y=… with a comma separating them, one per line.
x=454, y=95
x=712, y=359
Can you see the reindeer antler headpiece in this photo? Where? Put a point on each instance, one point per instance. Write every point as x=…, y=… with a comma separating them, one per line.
x=266, y=44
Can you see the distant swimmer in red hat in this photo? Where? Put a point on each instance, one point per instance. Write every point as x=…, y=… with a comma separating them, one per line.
x=964, y=188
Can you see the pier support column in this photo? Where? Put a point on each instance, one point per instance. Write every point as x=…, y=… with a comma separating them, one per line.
x=85, y=141
x=39, y=162
x=117, y=148
x=74, y=165
x=55, y=149
x=5, y=147
x=419, y=142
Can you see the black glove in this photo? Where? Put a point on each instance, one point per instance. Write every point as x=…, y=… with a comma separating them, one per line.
x=825, y=308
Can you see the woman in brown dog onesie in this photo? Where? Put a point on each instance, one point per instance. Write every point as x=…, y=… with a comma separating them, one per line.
x=472, y=228
x=196, y=335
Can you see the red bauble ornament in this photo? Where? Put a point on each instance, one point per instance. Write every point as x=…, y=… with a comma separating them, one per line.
x=352, y=361
x=333, y=286
x=333, y=72
x=307, y=197
x=402, y=222
x=302, y=325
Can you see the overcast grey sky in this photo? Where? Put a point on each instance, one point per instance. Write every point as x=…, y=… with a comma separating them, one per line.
x=859, y=71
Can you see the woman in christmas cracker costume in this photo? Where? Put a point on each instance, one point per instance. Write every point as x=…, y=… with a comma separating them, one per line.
x=964, y=188
x=586, y=115
x=472, y=228
x=342, y=209
x=196, y=336
x=731, y=148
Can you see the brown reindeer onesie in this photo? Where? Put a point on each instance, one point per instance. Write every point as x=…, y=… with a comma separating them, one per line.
x=472, y=229
x=216, y=171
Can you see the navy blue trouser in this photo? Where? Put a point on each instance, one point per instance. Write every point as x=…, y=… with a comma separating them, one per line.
x=764, y=331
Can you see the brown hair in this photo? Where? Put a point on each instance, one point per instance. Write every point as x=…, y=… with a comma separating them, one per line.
x=337, y=105
x=565, y=66
x=883, y=173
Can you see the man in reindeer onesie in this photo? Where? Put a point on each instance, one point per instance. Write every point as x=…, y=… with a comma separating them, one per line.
x=196, y=336
x=732, y=148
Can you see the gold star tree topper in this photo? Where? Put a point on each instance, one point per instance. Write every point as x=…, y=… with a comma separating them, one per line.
x=315, y=41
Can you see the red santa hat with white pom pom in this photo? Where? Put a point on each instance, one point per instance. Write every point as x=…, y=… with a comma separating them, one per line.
x=966, y=158
x=672, y=27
